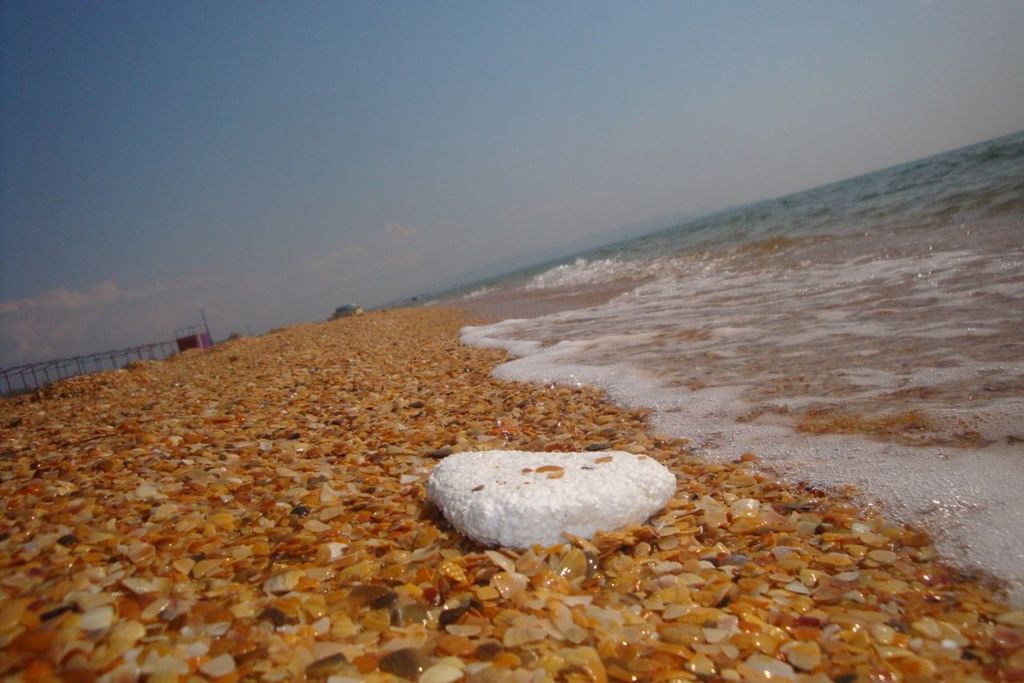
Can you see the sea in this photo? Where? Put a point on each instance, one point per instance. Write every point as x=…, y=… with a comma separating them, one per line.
x=865, y=333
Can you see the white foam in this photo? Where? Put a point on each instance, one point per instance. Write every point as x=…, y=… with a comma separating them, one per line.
x=713, y=341
x=970, y=500
x=478, y=292
x=490, y=336
x=517, y=499
x=584, y=271
x=580, y=272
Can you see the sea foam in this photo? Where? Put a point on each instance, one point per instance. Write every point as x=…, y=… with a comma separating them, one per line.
x=731, y=354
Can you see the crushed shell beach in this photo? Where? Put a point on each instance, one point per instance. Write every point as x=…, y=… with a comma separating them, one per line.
x=258, y=512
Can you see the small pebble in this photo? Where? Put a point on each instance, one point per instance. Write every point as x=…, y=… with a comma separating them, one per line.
x=97, y=619
x=221, y=665
x=1012, y=618
x=282, y=583
x=441, y=673
x=804, y=656
x=883, y=557
x=763, y=667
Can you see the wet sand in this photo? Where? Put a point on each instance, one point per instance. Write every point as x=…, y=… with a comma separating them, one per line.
x=257, y=512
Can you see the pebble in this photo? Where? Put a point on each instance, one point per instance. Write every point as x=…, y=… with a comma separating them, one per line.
x=883, y=633
x=762, y=667
x=836, y=560
x=441, y=673
x=282, y=583
x=97, y=619
x=805, y=656
x=147, y=491
x=701, y=665
x=407, y=663
x=220, y=665
x=883, y=557
x=1012, y=618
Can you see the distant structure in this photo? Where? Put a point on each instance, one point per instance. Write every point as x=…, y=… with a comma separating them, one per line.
x=345, y=311
x=194, y=337
x=31, y=376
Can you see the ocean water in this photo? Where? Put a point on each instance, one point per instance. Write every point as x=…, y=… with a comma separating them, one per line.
x=868, y=332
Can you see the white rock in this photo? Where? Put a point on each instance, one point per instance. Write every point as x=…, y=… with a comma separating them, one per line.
x=517, y=498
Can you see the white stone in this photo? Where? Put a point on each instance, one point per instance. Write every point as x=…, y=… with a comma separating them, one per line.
x=517, y=498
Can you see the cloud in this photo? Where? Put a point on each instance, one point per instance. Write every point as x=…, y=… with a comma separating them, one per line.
x=103, y=294
x=64, y=322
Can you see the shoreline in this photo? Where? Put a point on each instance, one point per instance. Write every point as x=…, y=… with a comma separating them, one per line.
x=964, y=498
x=257, y=512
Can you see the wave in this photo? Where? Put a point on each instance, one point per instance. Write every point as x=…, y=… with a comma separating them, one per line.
x=580, y=272
x=478, y=293
x=583, y=272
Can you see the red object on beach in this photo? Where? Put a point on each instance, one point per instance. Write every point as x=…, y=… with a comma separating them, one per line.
x=195, y=336
x=200, y=340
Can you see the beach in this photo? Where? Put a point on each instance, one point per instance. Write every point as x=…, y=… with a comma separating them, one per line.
x=257, y=512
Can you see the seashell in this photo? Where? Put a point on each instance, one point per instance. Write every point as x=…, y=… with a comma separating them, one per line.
x=1011, y=618
x=762, y=667
x=452, y=615
x=805, y=656
x=882, y=557
x=282, y=583
x=509, y=584
x=374, y=597
x=441, y=673
x=573, y=566
x=407, y=663
x=147, y=491
x=701, y=665
x=516, y=636
x=97, y=619
x=325, y=665
x=501, y=560
x=221, y=665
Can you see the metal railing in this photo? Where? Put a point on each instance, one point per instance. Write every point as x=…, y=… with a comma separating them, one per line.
x=31, y=376
x=21, y=379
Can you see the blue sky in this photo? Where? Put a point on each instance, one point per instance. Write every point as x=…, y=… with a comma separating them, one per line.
x=271, y=161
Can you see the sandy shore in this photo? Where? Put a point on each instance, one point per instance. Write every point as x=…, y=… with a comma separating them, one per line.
x=257, y=512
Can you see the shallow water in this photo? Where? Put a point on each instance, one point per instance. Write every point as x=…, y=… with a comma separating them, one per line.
x=868, y=332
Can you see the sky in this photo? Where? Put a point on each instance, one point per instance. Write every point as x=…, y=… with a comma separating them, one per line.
x=271, y=161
